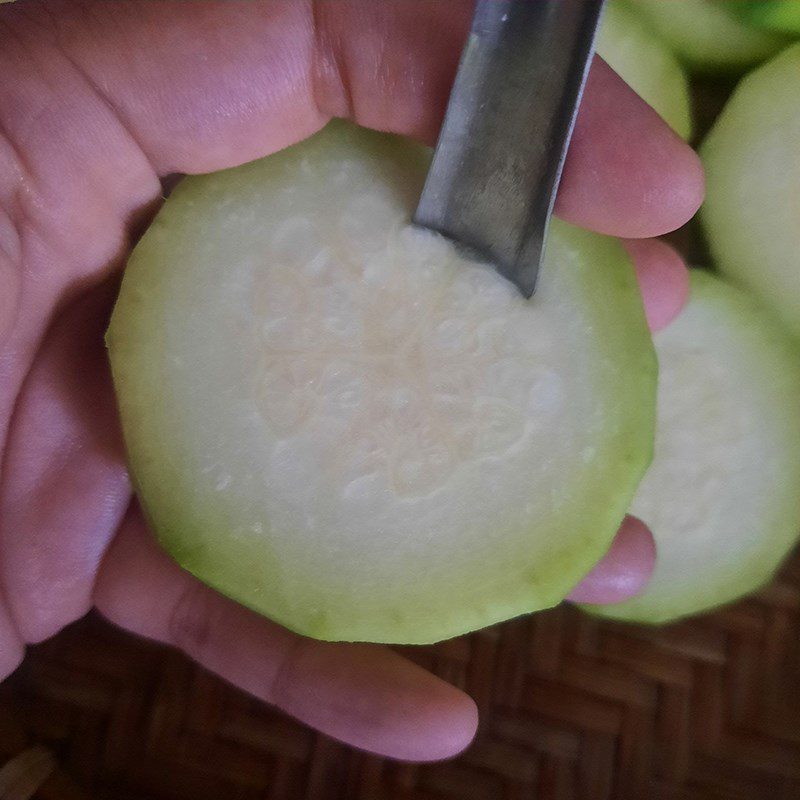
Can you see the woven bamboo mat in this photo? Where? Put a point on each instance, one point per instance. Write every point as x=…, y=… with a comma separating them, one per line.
x=572, y=707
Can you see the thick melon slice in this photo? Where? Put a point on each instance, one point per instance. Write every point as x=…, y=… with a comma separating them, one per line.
x=752, y=209
x=722, y=496
x=708, y=35
x=337, y=420
x=646, y=64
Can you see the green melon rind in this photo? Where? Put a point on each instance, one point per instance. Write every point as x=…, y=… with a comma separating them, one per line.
x=646, y=64
x=190, y=526
x=707, y=36
x=750, y=215
x=619, y=299
x=774, y=359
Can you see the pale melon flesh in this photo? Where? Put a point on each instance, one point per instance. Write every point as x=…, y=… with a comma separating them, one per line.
x=722, y=495
x=339, y=421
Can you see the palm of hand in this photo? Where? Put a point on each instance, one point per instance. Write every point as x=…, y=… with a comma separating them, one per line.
x=97, y=102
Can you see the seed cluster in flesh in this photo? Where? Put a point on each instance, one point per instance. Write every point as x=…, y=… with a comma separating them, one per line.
x=364, y=344
x=360, y=432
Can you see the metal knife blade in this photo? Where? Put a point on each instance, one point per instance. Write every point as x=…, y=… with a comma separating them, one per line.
x=498, y=160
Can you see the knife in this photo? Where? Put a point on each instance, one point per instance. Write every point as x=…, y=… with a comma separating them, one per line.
x=492, y=183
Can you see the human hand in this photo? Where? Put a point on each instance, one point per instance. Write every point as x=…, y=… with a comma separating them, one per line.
x=98, y=102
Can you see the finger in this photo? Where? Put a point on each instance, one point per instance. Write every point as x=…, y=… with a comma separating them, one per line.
x=626, y=174
x=367, y=696
x=65, y=487
x=624, y=570
x=663, y=280
x=232, y=81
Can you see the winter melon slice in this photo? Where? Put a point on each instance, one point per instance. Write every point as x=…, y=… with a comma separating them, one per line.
x=339, y=421
x=722, y=496
x=752, y=210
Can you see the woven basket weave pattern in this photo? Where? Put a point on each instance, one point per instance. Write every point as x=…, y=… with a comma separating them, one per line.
x=572, y=707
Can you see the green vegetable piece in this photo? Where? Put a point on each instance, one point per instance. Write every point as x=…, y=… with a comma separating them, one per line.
x=339, y=421
x=721, y=496
x=752, y=211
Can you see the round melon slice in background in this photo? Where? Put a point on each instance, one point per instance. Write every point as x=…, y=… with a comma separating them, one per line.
x=752, y=210
x=708, y=35
x=646, y=64
x=722, y=495
x=338, y=421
